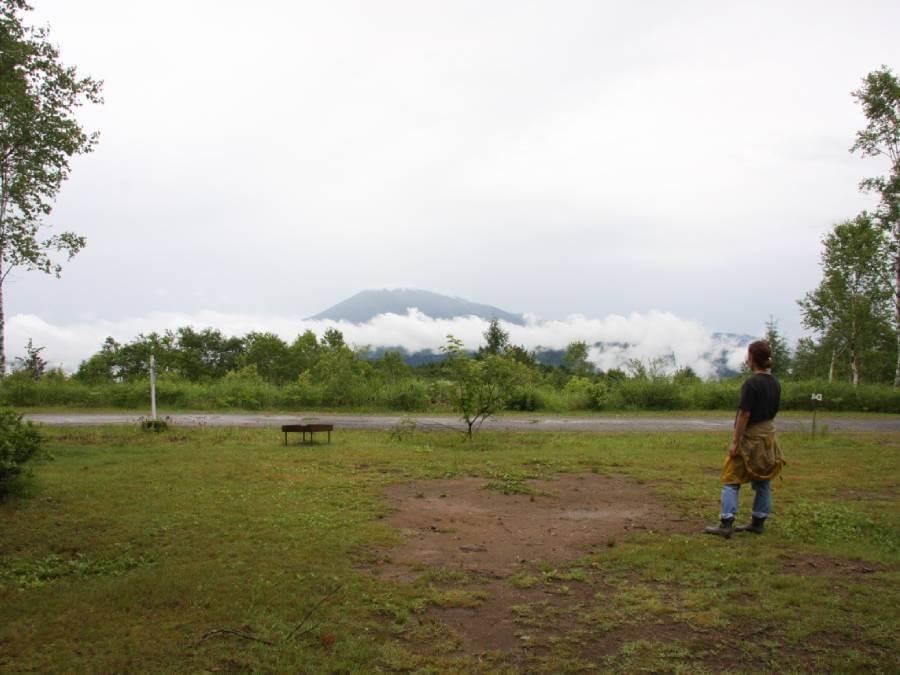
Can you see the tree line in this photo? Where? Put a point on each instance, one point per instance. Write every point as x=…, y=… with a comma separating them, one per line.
x=206, y=370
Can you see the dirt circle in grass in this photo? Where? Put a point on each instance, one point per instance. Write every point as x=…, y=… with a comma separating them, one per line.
x=477, y=539
x=466, y=525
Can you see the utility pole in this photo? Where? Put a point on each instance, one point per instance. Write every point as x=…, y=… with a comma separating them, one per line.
x=153, y=387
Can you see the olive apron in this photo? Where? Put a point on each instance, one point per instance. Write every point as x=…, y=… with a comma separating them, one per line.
x=759, y=456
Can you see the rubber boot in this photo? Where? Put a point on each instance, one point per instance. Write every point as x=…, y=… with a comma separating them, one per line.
x=723, y=529
x=755, y=526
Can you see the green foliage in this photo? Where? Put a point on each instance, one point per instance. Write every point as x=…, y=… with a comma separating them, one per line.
x=879, y=97
x=333, y=339
x=651, y=393
x=20, y=443
x=239, y=391
x=244, y=389
x=532, y=396
x=392, y=367
x=576, y=359
x=685, y=375
x=851, y=308
x=809, y=361
x=406, y=395
x=270, y=355
x=343, y=376
x=480, y=387
x=195, y=356
x=496, y=340
x=781, y=353
x=38, y=136
x=583, y=394
x=102, y=366
x=269, y=374
x=33, y=364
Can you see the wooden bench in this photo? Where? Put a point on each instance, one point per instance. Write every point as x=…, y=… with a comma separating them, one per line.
x=304, y=429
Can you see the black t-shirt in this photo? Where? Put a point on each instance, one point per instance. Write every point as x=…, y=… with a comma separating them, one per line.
x=760, y=395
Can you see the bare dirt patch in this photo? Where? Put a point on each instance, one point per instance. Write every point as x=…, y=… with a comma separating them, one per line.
x=503, y=549
x=459, y=524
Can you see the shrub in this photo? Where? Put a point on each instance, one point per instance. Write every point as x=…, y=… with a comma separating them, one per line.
x=582, y=394
x=526, y=398
x=20, y=442
x=531, y=397
x=722, y=395
x=301, y=393
x=244, y=389
x=409, y=394
x=650, y=394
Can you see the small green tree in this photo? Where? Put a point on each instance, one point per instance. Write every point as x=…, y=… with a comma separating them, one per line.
x=304, y=351
x=392, y=367
x=496, y=340
x=33, y=364
x=102, y=366
x=271, y=356
x=333, y=339
x=576, y=359
x=197, y=355
x=808, y=363
x=38, y=136
x=521, y=355
x=344, y=377
x=480, y=387
x=781, y=353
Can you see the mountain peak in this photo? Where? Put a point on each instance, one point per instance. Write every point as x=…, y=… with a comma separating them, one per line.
x=366, y=305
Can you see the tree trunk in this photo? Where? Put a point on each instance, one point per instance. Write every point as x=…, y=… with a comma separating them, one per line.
x=897, y=305
x=4, y=198
x=2, y=324
x=854, y=365
x=831, y=367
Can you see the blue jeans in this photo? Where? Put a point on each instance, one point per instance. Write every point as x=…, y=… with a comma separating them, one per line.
x=762, y=500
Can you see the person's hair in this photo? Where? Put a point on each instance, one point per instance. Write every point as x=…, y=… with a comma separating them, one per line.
x=761, y=353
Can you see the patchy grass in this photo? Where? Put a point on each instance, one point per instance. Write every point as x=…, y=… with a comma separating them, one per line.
x=129, y=549
x=459, y=597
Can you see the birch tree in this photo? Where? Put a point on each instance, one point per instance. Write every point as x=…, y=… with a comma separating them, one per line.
x=39, y=134
x=879, y=97
x=852, y=304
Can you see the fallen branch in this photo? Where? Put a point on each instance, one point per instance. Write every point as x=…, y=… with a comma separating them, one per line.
x=310, y=613
x=228, y=631
x=247, y=636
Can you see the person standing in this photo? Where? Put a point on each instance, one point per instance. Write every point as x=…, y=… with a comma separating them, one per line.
x=754, y=455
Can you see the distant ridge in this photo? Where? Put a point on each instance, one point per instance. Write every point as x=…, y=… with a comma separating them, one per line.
x=366, y=305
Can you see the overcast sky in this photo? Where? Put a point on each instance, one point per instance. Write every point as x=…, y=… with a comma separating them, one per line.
x=270, y=159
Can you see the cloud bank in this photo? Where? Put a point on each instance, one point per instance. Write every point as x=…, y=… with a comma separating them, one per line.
x=644, y=336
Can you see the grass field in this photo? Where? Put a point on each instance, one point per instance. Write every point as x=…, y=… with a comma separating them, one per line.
x=134, y=551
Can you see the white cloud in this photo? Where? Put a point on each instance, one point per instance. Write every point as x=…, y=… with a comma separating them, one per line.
x=592, y=157
x=683, y=342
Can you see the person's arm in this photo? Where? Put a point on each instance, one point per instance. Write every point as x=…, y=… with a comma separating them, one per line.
x=740, y=426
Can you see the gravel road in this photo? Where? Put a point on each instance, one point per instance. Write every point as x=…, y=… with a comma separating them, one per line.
x=601, y=422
